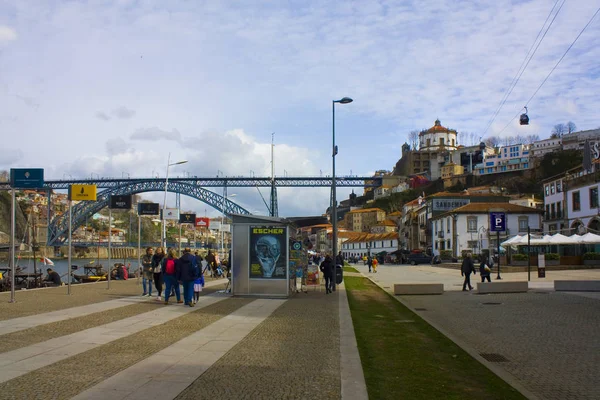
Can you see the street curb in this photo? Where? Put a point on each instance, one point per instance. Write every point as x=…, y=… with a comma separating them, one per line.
x=504, y=375
x=351, y=371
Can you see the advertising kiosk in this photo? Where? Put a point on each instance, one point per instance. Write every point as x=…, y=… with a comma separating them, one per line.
x=260, y=256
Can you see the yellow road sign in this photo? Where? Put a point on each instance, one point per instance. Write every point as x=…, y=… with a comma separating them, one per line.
x=83, y=192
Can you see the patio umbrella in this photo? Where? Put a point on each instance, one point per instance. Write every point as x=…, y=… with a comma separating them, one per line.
x=558, y=238
x=589, y=238
x=512, y=240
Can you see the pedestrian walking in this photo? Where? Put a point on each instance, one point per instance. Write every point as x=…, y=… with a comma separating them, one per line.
x=187, y=272
x=327, y=268
x=484, y=270
x=210, y=259
x=147, y=274
x=466, y=269
x=157, y=258
x=198, y=285
x=375, y=264
x=369, y=262
x=169, y=273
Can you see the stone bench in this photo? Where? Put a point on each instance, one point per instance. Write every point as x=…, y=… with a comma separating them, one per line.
x=502, y=287
x=418, y=288
x=577, y=286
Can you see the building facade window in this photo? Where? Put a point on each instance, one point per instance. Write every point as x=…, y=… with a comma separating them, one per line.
x=472, y=224
x=594, y=197
x=547, y=191
x=576, y=201
x=524, y=223
x=547, y=211
x=552, y=188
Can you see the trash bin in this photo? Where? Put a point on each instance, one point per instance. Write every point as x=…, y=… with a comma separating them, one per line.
x=339, y=274
x=541, y=272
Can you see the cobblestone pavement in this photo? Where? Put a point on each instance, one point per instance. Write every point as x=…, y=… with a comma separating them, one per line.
x=550, y=339
x=31, y=302
x=45, y=332
x=66, y=378
x=294, y=354
x=387, y=275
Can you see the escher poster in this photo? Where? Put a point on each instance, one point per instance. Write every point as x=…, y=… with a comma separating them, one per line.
x=268, y=252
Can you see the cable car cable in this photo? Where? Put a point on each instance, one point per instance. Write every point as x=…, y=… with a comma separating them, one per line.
x=553, y=68
x=526, y=61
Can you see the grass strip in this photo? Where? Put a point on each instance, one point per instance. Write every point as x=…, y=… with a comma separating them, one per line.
x=403, y=357
x=350, y=269
x=67, y=378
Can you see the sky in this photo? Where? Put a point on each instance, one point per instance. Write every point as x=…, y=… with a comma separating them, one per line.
x=110, y=88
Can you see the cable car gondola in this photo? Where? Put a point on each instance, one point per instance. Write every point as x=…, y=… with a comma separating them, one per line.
x=524, y=120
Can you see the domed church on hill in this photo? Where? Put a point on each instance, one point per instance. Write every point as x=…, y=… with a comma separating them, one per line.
x=438, y=138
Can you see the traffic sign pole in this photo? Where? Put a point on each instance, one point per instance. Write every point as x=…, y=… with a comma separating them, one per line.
x=12, y=246
x=498, y=240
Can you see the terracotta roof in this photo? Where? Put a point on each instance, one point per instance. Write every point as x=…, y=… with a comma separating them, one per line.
x=461, y=194
x=368, y=237
x=414, y=202
x=437, y=127
x=387, y=222
x=364, y=210
x=395, y=213
x=484, y=208
x=385, y=187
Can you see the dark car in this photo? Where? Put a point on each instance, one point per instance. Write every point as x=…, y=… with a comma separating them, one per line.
x=419, y=258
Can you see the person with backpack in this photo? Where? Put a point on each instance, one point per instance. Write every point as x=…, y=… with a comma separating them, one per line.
x=327, y=269
x=187, y=271
x=484, y=270
x=169, y=273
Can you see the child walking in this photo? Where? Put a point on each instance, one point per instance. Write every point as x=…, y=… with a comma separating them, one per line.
x=198, y=284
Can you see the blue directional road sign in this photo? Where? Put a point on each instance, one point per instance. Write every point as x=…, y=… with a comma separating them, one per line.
x=497, y=221
x=27, y=178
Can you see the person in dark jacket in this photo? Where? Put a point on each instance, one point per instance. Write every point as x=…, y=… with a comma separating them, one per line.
x=186, y=269
x=369, y=262
x=156, y=270
x=327, y=269
x=210, y=259
x=485, y=274
x=169, y=272
x=465, y=270
x=53, y=278
x=339, y=259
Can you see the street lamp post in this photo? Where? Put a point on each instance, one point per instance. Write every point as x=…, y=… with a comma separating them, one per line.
x=164, y=228
x=225, y=199
x=344, y=100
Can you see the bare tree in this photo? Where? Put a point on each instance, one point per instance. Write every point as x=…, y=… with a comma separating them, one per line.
x=462, y=138
x=559, y=130
x=413, y=138
x=519, y=139
x=507, y=140
x=472, y=139
x=492, y=141
x=3, y=176
x=529, y=139
x=571, y=127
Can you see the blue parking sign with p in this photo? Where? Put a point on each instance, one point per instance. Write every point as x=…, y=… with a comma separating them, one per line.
x=497, y=222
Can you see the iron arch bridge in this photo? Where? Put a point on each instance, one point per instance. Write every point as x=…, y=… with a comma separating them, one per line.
x=58, y=229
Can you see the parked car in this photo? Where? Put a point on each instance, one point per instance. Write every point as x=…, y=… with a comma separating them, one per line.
x=419, y=258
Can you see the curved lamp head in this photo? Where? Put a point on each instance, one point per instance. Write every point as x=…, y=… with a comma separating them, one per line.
x=344, y=100
x=179, y=162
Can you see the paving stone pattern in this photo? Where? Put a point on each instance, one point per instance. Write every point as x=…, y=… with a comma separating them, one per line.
x=27, y=337
x=67, y=378
x=550, y=339
x=30, y=302
x=294, y=354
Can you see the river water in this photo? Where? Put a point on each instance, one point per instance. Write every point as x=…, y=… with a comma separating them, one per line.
x=60, y=265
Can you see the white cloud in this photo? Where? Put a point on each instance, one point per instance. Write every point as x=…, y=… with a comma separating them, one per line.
x=101, y=115
x=123, y=112
x=155, y=133
x=7, y=34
